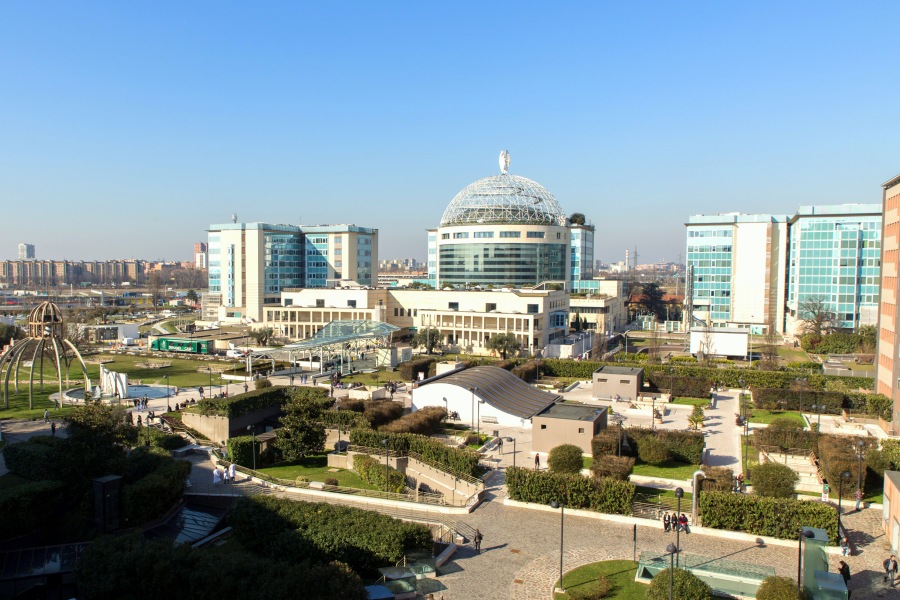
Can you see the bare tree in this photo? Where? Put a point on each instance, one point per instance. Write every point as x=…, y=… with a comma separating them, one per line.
x=769, y=349
x=154, y=285
x=654, y=345
x=817, y=316
x=707, y=346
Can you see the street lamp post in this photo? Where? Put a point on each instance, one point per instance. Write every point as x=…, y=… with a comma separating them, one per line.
x=818, y=408
x=513, y=440
x=209, y=369
x=385, y=442
x=480, y=402
x=679, y=492
x=447, y=407
x=474, y=391
x=252, y=445
x=147, y=423
x=804, y=533
x=672, y=550
x=844, y=475
x=562, y=516
x=859, y=453
x=801, y=383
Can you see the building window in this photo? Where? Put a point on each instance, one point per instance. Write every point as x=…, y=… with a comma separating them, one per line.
x=625, y=381
x=320, y=304
x=581, y=430
x=396, y=312
x=461, y=235
x=445, y=236
x=543, y=426
x=510, y=234
x=453, y=305
x=490, y=306
x=351, y=303
x=536, y=234
x=484, y=234
x=532, y=309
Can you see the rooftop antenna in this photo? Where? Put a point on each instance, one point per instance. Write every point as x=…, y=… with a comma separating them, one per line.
x=504, y=161
x=234, y=217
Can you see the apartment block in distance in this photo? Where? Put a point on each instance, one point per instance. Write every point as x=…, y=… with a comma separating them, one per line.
x=888, y=372
x=250, y=264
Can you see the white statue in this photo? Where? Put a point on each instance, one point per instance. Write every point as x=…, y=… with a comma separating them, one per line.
x=504, y=161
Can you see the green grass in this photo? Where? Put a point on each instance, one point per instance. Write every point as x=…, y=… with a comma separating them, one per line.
x=315, y=468
x=759, y=415
x=792, y=354
x=704, y=402
x=687, y=497
x=669, y=470
x=586, y=462
x=619, y=573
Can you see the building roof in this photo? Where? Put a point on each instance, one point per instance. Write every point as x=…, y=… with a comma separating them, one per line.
x=505, y=200
x=502, y=390
x=894, y=477
x=573, y=411
x=620, y=370
x=891, y=182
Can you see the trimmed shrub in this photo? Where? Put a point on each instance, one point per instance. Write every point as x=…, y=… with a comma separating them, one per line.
x=153, y=495
x=606, y=443
x=565, y=459
x=774, y=587
x=345, y=419
x=653, y=451
x=525, y=371
x=331, y=481
x=27, y=507
x=167, y=441
x=381, y=412
x=241, y=450
x=837, y=454
x=37, y=459
x=685, y=584
x=718, y=479
x=785, y=439
x=431, y=450
x=293, y=532
x=797, y=399
x=784, y=423
x=241, y=404
x=600, y=588
x=804, y=366
x=605, y=495
x=759, y=515
x=691, y=387
x=372, y=471
x=773, y=480
x=262, y=384
x=682, y=446
x=613, y=466
x=424, y=421
x=409, y=371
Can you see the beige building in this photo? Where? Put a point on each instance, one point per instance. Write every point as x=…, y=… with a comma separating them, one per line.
x=602, y=310
x=888, y=373
x=567, y=423
x=464, y=320
x=890, y=519
x=622, y=382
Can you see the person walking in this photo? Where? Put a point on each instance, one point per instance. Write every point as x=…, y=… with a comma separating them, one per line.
x=890, y=570
x=844, y=570
x=225, y=477
x=478, y=538
x=845, y=547
x=683, y=523
x=667, y=522
x=537, y=462
x=53, y=428
x=232, y=471
x=201, y=392
x=500, y=444
x=859, y=499
x=245, y=387
x=46, y=416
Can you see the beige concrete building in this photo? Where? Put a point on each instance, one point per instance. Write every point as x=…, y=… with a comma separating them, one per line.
x=622, y=382
x=464, y=320
x=890, y=518
x=568, y=423
x=602, y=310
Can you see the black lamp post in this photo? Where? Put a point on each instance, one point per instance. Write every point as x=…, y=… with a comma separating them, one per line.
x=474, y=391
x=859, y=453
x=209, y=369
x=562, y=516
x=801, y=383
x=804, y=533
x=818, y=408
x=513, y=440
x=844, y=475
x=147, y=423
x=168, y=408
x=679, y=492
x=447, y=407
x=385, y=442
x=672, y=550
x=252, y=445
x=480, y=402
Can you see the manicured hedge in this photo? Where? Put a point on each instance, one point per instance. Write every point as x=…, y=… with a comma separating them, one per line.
x=36, y=459
x=462, y=460
x=168, y=441
x=153, y=495
x=613, y=466
x=785, y=439
x=347, y=419
x=565, y=459
x=424, y=421
x=296, y=531
x=838, y=454
x=682, y=446
x=789, y=399
x=606, y=443
x=718, y=479
x=757, y=515
x=241, y=450
x=684, y=584
x=691, y=387
x=29, y=506
x=525, y=371
x=605, y=495
x=241, y=404
x=372, y=472
x=409, y=371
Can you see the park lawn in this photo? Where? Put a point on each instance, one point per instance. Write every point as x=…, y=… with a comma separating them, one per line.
x=669, y=470
x=619, y=573
x=704, y=402
x=315, y=468
x=642, y=489
x=752, y=456
x=861, y=370
x=792, y=354
x=11, y=480
x=759, y=415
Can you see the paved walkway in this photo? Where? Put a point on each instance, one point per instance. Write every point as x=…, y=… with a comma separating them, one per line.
x=723, y=437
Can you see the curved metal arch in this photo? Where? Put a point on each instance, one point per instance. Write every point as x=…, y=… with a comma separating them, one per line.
x=504, y=199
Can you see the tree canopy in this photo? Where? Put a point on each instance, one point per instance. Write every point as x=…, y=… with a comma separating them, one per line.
x=504, y=343
x=302, y=432
x=427, y=338
x=817, y=316
x=652, y=300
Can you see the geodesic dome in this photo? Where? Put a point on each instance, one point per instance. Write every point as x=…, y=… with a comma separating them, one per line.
x=44, y=320
x=504, y=199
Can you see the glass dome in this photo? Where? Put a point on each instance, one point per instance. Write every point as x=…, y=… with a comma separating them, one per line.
x=504, y=199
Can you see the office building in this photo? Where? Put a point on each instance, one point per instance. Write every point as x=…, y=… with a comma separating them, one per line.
x=739, y=263
x=26, y=251
x=201, y=256
x=507, y=231
x=250, y=264
x=888, y=371
x=43, y=273
x=835, y=255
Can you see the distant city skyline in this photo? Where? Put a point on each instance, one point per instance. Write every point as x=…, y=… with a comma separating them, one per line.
x=131, y=128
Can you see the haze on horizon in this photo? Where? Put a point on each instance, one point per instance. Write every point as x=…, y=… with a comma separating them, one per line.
x=128, y=128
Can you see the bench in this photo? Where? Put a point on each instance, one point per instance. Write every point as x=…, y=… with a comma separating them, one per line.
x=490, y=420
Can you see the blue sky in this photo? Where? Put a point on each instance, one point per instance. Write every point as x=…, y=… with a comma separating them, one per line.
x=127, y=128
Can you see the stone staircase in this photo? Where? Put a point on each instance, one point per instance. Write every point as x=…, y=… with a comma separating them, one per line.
x=802, y=465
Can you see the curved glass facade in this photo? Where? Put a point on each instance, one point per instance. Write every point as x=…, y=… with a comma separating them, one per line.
x=502, y=264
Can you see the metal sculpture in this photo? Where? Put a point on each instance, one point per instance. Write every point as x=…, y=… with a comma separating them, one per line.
x=46, y=336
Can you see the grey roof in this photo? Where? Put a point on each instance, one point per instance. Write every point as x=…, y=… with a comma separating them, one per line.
x=502, y=390
x=573, y=411
x=619, y=370
x=894, y=477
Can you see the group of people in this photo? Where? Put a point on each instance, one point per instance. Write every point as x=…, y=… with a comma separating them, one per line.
x=141, y=403
x=225, y=474
x=304, y=379
x=47, y=420
x=675, y=523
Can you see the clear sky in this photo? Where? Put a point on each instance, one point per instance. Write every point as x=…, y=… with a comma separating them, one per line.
x=126, y=128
